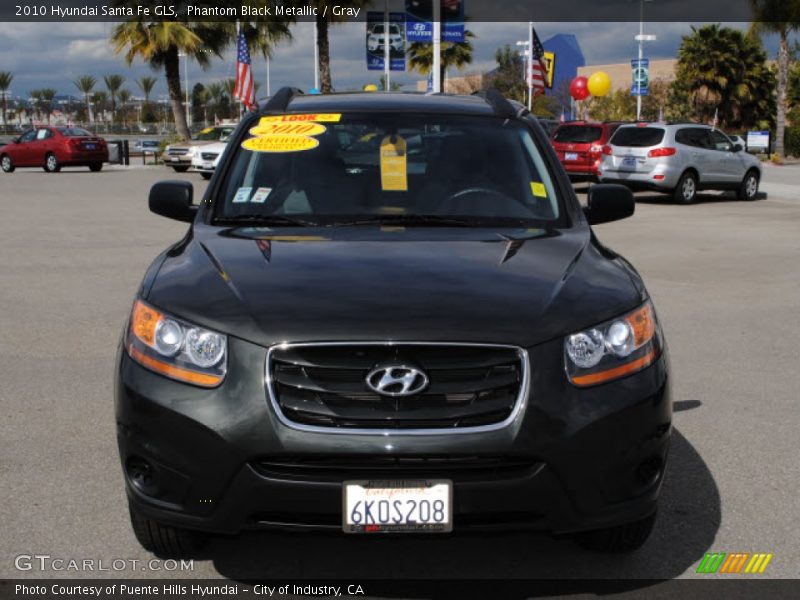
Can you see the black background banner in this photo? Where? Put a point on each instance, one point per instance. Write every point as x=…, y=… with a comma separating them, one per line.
x=712, y=588
x=476, y=10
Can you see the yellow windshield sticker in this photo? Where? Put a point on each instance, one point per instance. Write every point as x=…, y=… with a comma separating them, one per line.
x=207, y=130
x=394, y=174
x=273, y=128
x=280, y=143
x=538, y=189
x=316, y=117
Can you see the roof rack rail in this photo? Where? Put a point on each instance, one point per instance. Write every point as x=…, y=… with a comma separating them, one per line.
x=502, y=107
x=280, y=100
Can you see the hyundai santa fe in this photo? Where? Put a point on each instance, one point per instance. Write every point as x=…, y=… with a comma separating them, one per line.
x=390, y=314
x=679, y=159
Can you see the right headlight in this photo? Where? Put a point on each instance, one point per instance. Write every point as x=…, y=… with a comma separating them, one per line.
x=613, y=349
x=175, y=348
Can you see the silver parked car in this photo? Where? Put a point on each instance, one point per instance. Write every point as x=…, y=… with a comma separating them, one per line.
x=679, y=159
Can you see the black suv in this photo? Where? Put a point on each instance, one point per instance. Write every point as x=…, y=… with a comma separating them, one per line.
x=390, y=314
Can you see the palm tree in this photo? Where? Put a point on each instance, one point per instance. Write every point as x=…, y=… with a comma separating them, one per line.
x=36, y=102
x=215, y=93
x=85, y=84
x=781, y=17
x=725, y=74
x=454, y=54
x=323, y=20
x=159, y=43
x=124, y=96
x=5, y=82
x=146, y=84
x=100, y=102
x=47, y=96
x=229, y=85
x=113, y=85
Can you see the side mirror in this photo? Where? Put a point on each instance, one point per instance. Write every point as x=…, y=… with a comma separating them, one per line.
x=173, y=199
x=737, y=148
x=609, y=202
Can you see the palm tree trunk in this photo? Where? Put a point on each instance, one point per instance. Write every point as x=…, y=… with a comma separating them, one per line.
x=88, y=110
x=783, y=79
x=5, y=109
x=173, y=74
x=324, y=55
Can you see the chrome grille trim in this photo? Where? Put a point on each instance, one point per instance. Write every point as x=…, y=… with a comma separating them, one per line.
x=516, y=413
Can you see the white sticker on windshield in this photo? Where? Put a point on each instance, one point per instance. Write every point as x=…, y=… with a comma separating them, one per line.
x=261, y=195
x=243, y=195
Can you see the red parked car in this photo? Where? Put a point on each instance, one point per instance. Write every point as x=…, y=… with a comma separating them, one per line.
x=54, y=147
x=579, y=146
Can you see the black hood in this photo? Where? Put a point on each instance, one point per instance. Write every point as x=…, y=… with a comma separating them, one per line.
x=519, y=288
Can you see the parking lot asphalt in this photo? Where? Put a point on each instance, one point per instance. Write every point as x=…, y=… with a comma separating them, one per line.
x=725, y=276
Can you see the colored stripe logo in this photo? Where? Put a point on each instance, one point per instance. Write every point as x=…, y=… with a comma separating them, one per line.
x=734, y=563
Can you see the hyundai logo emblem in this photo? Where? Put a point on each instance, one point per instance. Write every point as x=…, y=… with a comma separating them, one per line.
x=397, y=380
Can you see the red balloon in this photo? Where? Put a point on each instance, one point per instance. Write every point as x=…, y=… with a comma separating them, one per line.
x=579, y=88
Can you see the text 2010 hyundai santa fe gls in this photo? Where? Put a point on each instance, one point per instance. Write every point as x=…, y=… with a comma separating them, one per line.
x=390, y=314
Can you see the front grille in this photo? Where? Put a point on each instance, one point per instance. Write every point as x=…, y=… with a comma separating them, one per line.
x=324, y=385
x=343, y=468
x=178, y=151
x=209, y=155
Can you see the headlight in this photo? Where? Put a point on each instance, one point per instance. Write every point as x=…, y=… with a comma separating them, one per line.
x=175, y=348
x=613, y=349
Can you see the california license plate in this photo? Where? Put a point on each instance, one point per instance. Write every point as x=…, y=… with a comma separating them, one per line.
x=570, y=156
x=90, y=146
x=410, y=506
x=629, y=162
x=175, y=159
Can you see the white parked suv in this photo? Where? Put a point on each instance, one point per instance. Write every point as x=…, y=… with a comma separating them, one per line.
x=206, y=158
x=679, y=159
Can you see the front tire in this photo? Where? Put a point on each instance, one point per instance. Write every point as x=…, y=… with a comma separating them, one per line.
x=620, y=539
x=51, y=164
x=163, y=540
x=748, y=190
x=181, y=169
x=95, y=167
x=686, y=190
x=7, y=164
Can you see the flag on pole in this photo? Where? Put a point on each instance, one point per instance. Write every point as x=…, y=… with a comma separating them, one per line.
x=244, y=89
x=538, y=74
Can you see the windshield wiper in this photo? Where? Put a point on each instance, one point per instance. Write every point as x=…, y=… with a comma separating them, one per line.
x=265, y=220
x=402, y=220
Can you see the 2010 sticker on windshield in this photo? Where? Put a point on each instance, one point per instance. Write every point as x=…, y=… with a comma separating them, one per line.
x=275, y=128
x=280, y=143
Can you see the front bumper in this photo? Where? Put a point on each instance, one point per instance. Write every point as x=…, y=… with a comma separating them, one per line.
x=582, y=458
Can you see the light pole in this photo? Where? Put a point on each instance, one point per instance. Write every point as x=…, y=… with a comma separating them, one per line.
x=527, y=55
x=185, y=56
x=641, y=38
x=386, y=52
x=437, y=48
x=316, y=57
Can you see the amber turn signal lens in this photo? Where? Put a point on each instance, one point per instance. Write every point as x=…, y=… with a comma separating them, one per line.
x=143, y=322
x=643, y=324
x=617, y=372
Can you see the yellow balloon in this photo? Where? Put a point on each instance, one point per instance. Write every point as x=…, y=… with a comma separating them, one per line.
x=599, y=84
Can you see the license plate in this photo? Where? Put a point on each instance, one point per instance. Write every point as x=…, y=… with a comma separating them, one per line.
x=571, y=156
x=629, y=162
x=175, y=159
x=90, y=146
x=411, y=506
x=208, y=165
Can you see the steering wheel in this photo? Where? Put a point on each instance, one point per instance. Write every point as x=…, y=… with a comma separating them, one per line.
x=484, y=193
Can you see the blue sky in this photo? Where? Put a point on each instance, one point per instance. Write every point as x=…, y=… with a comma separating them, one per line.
x=55, y=54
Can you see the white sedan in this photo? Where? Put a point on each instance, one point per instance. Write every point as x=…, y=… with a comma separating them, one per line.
x=206, y=158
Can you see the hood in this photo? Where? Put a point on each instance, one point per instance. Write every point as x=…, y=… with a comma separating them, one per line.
x=412, y=285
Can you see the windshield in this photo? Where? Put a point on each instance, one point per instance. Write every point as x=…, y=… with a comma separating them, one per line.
x=637, y=137
x=577, y=134
x=410, y=169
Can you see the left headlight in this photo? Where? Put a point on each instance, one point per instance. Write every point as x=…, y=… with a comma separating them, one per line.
x=175, y=348
x=613, y=349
